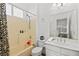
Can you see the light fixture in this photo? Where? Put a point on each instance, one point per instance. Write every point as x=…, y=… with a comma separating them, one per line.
x=57, y=4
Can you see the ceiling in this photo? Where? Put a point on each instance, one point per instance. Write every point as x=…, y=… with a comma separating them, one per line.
x=31, y=7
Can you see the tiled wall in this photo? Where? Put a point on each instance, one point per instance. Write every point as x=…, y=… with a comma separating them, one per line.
x=17, y=40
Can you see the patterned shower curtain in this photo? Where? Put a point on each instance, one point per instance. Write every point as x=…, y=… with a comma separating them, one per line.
x=4, y=46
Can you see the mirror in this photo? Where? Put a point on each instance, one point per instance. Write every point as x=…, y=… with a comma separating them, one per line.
x=64, y=24
x=63, y=27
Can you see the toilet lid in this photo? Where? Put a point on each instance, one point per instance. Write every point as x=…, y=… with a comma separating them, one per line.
x=37, y=50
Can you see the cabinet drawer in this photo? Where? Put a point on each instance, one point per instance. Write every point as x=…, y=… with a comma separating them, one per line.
x=52, y=53
x=51, y=47
x=69, y=52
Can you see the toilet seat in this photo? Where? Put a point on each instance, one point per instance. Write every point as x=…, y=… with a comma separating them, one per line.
x=37, y=51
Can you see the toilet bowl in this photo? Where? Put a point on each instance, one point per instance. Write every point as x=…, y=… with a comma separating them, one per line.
x=37, y=51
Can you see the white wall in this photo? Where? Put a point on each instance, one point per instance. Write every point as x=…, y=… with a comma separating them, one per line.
x=73, y=25
x=69, y=8
x=43, y=20
x=42, y=10
x=77, y=5
x=45, y=14
x=45, y=11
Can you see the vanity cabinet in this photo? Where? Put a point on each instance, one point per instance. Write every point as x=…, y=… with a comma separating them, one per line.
x=69, y=52
x=52, y=53
x=52, y=50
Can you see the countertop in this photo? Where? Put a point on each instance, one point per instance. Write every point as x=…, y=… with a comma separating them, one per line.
x=71, y=46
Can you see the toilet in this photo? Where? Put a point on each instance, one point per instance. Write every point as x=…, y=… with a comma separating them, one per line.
x=37, y=51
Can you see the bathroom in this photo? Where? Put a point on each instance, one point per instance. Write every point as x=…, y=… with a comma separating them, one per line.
x=40, y=29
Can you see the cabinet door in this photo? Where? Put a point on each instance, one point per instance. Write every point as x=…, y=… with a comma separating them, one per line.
x=52, y=53
x=52, y=47
x=69, y=52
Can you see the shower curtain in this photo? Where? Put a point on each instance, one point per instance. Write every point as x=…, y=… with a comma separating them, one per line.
x=4, y=46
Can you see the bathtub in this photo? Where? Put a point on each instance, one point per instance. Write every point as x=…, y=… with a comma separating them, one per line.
x=25, y=52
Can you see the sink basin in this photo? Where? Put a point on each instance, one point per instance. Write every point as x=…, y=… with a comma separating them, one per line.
x=56, y=40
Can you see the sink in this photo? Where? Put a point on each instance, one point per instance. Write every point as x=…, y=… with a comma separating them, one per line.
x=56, y=40
x=63, y=41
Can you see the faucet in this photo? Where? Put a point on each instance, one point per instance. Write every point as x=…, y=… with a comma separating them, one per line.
x=60, y=39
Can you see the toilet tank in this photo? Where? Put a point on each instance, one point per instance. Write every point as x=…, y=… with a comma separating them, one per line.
x=40, y=43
